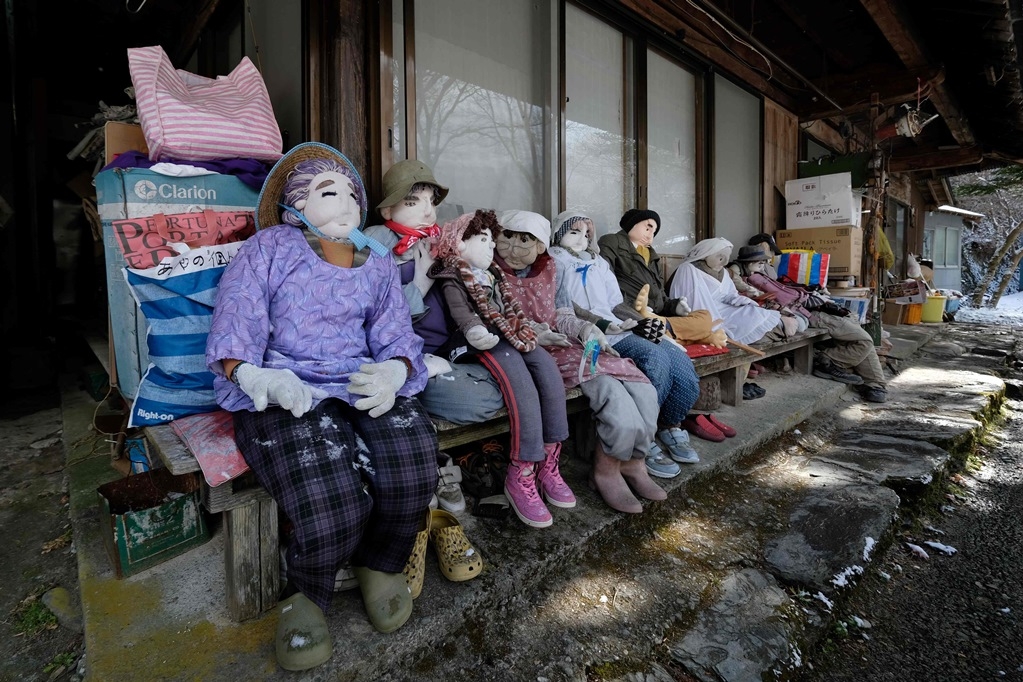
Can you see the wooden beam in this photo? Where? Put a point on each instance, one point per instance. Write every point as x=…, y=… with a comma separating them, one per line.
x=892, y=89
x=825, y=134
x=702, y=42
x=935, y=158
x=819, y=35
x=897, y=30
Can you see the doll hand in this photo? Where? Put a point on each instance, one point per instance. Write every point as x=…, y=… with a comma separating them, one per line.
x=423, y=259
x=279, y=386
x=682, y=307
x=545, y=336
x=592, y=333
x=480, y=339
x=619, y=327
x=435, y=365
x=651, y=329
x=379, y=382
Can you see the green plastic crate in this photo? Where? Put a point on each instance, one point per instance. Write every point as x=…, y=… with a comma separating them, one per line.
x=150, y=518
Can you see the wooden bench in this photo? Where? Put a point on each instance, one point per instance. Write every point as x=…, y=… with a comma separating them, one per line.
x=251, y=556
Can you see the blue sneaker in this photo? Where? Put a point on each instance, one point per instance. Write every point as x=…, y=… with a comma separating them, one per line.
x=660, y=465
x=677, y=442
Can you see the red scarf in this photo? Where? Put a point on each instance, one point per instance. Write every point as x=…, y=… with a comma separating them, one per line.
x=410, y=235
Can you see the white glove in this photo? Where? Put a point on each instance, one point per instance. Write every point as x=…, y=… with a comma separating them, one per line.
x=682, y=307
x=379, y=382
x=619, y=327
x=545, y=336
x=423, y=259
x=480, y=339
x=435, y=365
x=592, y=333
x=278, y=386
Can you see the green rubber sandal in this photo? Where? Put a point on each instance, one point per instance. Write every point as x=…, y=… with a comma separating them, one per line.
x=386, y=596
x=303, y=640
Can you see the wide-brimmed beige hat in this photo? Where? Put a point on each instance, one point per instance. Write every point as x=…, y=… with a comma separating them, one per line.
x=268, y=212
x=403, y=176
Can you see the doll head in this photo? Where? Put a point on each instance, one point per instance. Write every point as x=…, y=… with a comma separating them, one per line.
x=714, y=253
x=641, y=226
x=316, y=186
x=751, y=259
x=522, y=237
x=411, y=194
x=457, y=238
x=575, y=232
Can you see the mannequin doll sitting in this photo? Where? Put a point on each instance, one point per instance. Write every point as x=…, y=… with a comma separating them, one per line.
x=587, y=280
x=314, y=354
x=459, y=393
x=623, y=401
x=489, y=327
x=702, y=279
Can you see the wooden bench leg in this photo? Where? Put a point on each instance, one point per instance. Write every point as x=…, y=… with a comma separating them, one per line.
x=803, y=359
x=731, y=384
x=251, y=559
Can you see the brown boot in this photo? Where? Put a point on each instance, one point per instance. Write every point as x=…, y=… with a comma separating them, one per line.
x=607, y=479
x=634, y=471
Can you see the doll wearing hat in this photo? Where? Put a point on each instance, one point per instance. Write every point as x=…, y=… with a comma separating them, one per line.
x=848, y=357
x=591, y=284
x=313, y=352
x=490, y=327
x=701, y=277
x=623, y=401
x=460, y=393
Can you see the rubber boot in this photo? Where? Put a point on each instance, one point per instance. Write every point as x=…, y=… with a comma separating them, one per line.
x=520, y=487
x=386, y=596
x=607, y=480
x=635, y=473
x=549, y=479
x=302, y=640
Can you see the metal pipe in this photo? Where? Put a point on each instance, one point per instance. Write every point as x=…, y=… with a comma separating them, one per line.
x=718, y=14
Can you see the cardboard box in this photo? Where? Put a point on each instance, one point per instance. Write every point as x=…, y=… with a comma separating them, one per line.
x=126, y=194
x=150, y=517
x=822, y=201
x=843, y=244
x=122, y=137
x=893, y=313
x=859, y=307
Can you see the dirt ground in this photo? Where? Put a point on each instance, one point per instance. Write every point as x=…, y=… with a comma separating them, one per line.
x=37, y=550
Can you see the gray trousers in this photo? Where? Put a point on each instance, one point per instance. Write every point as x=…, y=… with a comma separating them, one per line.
x=626, y=414
x=853, y=348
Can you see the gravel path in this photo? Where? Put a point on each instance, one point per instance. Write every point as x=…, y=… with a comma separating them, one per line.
x=953, y=616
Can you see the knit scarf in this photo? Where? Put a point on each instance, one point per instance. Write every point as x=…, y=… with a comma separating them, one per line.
x=512, y=325
x=409, y=235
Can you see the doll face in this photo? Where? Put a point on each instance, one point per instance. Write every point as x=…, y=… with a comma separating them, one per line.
x=478, y=250
x=757, y=266
x=642, y=233
x=716, y=261
x=577, y=238
x=518, y=249
x=332, y=206
x=415, y=210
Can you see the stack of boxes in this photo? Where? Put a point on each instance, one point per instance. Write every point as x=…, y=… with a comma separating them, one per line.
x=825, y=214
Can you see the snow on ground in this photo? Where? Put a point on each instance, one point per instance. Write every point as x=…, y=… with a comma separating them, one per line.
x=1009, y=312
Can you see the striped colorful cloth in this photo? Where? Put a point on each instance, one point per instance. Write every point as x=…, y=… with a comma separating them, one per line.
x=177, y=298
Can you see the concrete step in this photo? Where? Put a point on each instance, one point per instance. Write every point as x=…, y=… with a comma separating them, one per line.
x=598, y=594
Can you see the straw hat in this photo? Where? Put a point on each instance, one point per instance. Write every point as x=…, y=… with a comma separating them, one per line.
x=268, y=213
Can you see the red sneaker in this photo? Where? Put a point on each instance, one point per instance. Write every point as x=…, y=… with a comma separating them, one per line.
x=721, y=426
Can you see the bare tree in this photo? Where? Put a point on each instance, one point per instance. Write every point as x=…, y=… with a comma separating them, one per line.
x=999, y=233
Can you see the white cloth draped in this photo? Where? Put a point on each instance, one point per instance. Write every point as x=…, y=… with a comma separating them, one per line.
x=744, y=320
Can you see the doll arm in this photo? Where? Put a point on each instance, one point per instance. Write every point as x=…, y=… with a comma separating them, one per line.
x=389, y=334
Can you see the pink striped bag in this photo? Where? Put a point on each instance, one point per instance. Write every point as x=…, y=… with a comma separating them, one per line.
x=193, y=118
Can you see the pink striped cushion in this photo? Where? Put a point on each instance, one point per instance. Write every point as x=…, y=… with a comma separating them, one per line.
x=193, y=118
